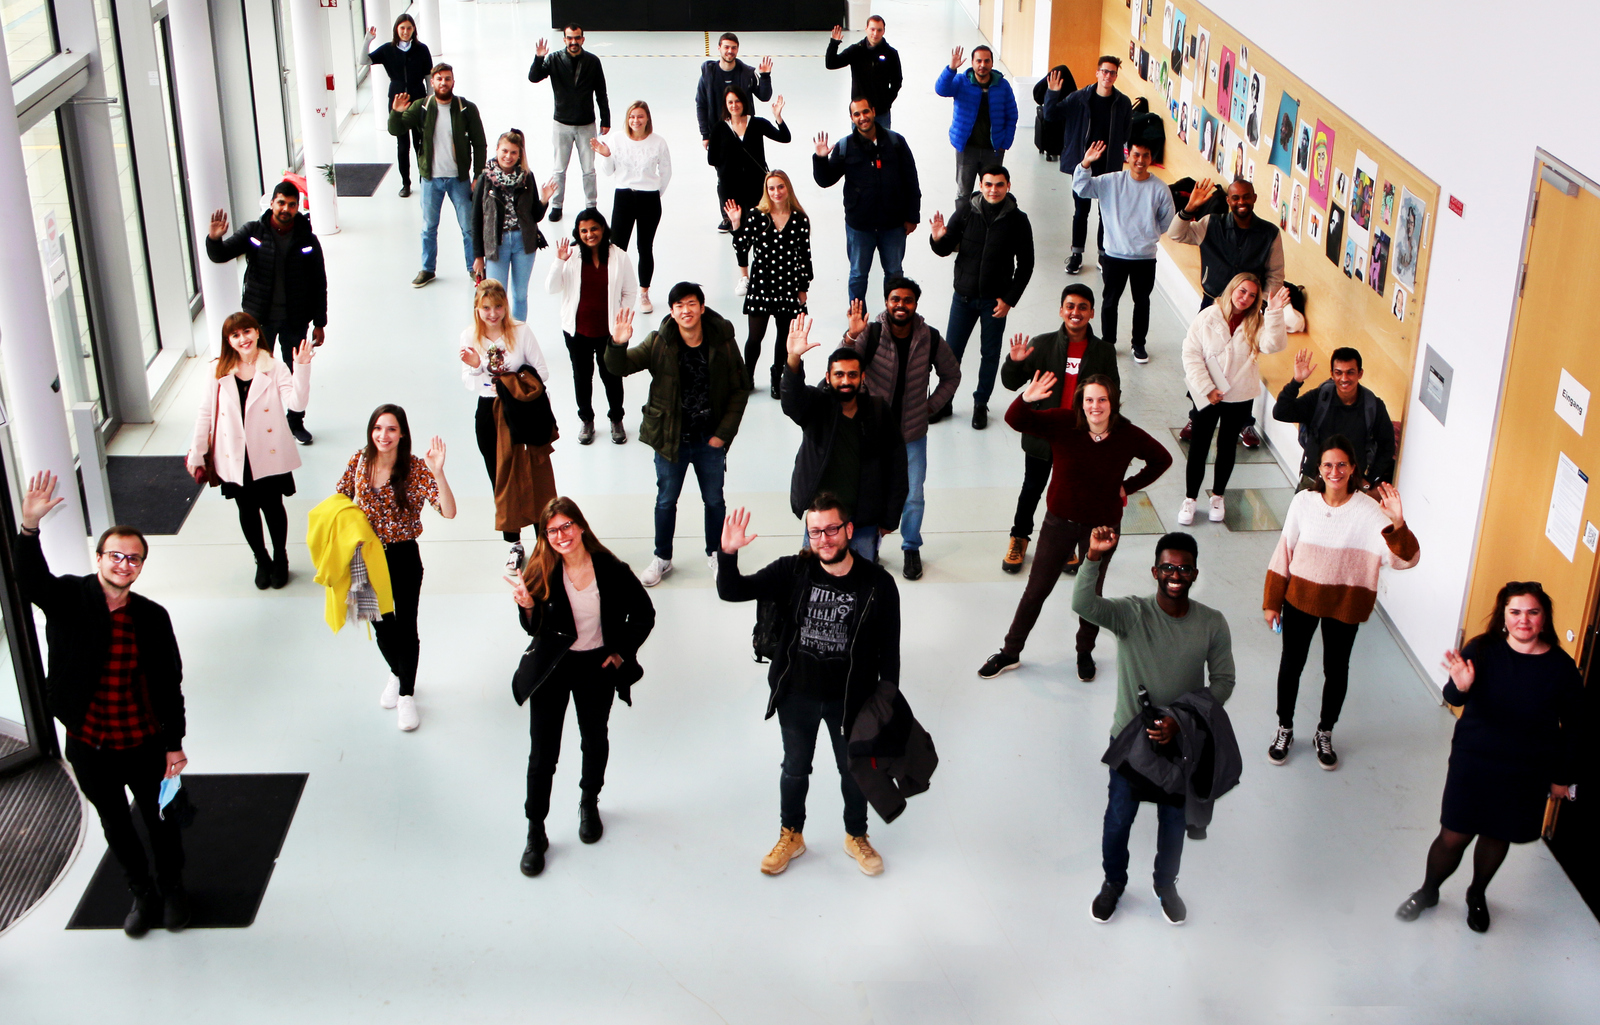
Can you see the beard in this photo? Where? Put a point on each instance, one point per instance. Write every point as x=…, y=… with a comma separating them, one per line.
x=837, y=557
x=845, y=394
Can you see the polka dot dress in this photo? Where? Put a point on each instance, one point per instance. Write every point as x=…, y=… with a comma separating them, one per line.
x=780, y=262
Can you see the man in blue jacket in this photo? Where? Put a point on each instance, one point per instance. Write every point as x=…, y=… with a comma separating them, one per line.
x=882, y=200
x=1095, y=113
x=984, y=122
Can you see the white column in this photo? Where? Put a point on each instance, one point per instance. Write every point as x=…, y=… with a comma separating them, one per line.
x=205, y=159
x=381, y=17
x=312, y=67
x=428, y=28
x=38, y=419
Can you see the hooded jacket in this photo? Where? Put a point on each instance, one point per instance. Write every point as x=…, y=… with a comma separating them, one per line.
x=963, y=86
x=884, y=484
x=662, y=426
x=880, y=180
x=1200, y=764
x=466, y=134
x=626, y=619
x=1072, y=109
x=305, y=279
x=993, y=243
x=578, y=85
x=1050, y=353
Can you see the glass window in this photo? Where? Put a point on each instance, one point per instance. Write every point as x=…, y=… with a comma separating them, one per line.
x=175, y=156
x=30, y=34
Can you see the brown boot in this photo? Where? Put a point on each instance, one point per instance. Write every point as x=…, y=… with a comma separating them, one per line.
x=860, y=848
x=790, y=845
x=1015, y=550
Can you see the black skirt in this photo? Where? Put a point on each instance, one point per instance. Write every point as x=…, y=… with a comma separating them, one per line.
x=281, y=484
x=1482, y=795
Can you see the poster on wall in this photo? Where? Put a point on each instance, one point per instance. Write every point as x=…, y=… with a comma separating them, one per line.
x=1282, y=154
x=1302, y=149
x=1408, y=239
x=1398, y=306
x=1388, y=204
x=1314, y=225
x=1166, y=27
x=1185, y=104
x=1208, y=136
x=1250, y=170
x=1136, y=18
x=1361, y=266
x=1321, y=165
x=1283, y=214
x=1180, y=26
x=1378, y=273
x=1252, y=124
x=1224, y=148
x=1349, y=266
x=1202, y=58
x=1241, y=95
x=1276, y=195
x=1341, y=188
x=1335, y=233
x=1144, y=64
x=1363, y=189
x=1225, y=84
x=1297, y=209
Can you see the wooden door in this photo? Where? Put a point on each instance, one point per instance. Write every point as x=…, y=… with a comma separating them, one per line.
x=1016, y=39
x=1557, y=329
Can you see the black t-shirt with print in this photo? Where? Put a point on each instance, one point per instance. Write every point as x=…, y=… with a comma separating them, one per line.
x=829, y=615
x=694, y=385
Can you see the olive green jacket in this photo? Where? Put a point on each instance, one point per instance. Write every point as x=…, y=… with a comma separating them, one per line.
x=1050, y=353
x=466, y=128
x=662, y=427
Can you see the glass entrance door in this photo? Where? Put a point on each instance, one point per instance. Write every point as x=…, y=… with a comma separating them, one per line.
x=26, y=730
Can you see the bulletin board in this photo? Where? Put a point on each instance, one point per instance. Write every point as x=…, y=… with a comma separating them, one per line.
x=1356, y=218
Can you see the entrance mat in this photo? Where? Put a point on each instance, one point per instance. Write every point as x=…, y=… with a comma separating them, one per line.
x=359, y=179
x=153, y=493
x=1242, y=454
x=40, y=819
x=230, y=847
x=1255, y=508
x=1140, y=516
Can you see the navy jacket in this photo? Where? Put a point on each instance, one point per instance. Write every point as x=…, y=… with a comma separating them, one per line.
x=1073, y=108
x=964, y=87
x=708, y=97
x=880, y=180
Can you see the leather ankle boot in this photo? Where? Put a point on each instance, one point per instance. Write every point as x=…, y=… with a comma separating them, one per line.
x=146, y=911
x=533, y=854
x=589, y=825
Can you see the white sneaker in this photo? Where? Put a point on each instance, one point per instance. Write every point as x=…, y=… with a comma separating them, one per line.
x=644, y=305
x=1186, y=512
x=391, y=692
x=743, y=286
x=1216, y=509
x=516, y=557
x=653, y=573
x=409, y=719
x=711, y=560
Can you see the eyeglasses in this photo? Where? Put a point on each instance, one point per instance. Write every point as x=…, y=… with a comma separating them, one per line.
x=831, y=530
x=1169, y=569
x=560, y=529
x=119, y=558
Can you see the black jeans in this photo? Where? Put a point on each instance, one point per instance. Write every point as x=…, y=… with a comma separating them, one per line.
x=397, y=630
x=1059, y=540
x=1115, y=274
x=577, y=674
x=102, y=774
x=1080, y=226
x=402, y=155
x=1232, y=416
x=758, y=334
x=586, y=353
x=483, y=426
x=1337, y=640
x=1035, y=478
x=629, y=208
x=970, y=162
x=287, y=335
x=798, y=718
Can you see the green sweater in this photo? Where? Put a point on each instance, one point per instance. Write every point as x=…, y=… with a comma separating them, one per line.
x=1168, y=656
x=466, y=131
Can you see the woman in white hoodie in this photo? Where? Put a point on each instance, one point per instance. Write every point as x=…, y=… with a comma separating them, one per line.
x=641, y=165
x=595, y=279
x=1219, y=365
x=242, y=424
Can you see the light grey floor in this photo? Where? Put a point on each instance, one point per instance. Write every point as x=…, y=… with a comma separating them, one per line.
x=397, y=896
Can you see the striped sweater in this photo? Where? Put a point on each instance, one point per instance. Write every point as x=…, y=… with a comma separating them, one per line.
x=1327, y=559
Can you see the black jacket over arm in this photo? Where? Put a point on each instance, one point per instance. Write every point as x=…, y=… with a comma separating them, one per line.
x=579, y=86
x=994, y=256
x=884, y=483
x=305, y=278
x=626, y=619
x=78, y=631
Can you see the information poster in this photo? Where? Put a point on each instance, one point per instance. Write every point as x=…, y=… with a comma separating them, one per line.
x=1566, y=507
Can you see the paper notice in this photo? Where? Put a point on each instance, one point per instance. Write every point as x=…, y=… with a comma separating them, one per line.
x=1572, y=401
x=1566, y=507
x=1591, y=536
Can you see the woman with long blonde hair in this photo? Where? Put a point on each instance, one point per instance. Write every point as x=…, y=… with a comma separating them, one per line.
x=641, y=164
x=507, y=206
x=777, y=235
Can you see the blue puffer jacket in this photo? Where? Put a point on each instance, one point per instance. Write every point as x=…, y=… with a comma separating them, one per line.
x=968, y=94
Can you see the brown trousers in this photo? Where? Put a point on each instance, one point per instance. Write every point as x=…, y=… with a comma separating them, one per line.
x=1059, y=539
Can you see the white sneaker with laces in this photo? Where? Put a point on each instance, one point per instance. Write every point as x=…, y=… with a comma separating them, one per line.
x=1217, y=509
x=743, y=286
x=653, y=573
x=409, y=719
x=711, y=560
x=1186, y=512
x=516, y=557
x=391, y=692
x=644, y=305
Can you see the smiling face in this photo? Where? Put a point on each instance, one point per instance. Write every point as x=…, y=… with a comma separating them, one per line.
x=1241, y=200
x=1246, y=296
x=1346, y=379
x=1139, y=163
x=1076, y=313
x=1097, y=407
x=734, y=103
x=1175, y=573
x=405, y=30
x=492, y=311
x=777, y=193
x=995, y=187
x=119, y=561
x=902, y=306
x=444, y=86
x=638, y=120
x=862, y=116
x=844, y=377
x=590, y=233
x=1105, y=78
x=1524, y=618
x=386, y=433
x=728, y=50
x=508, y=155
x=687, y=312
x=1336, y=471
x=244, y=343
x=565, y=536
x=831, y=550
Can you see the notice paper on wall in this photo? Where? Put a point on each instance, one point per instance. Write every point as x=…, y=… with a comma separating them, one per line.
x=1566, y=507
x=1572, y=401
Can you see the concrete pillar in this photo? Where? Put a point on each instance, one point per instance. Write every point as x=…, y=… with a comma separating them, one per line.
x=38, y=419
x=312, y=68
x=381, y=16
x=429, y=29
x=205, y=155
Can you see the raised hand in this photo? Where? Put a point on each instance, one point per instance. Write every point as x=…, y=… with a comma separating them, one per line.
x=600, y=147
x=519, y=590
x=1057, y=81
x=1038, y=389
x=837, y=35
x=400, y=102
x=1020, y=349
x=955, y=59
x=622, y=329
x=821, y=142
x=1462, y=672
x=1303, y=366
x=548, y=189
x=219, y=223
x=469, y=356
x=38, y=500
x=372, y=33
x=1279, y=299
x=799, y=341
x=1101, y=541
x=765, y=67
x=434, y=457
x=856, y=318
x=304, y=352
x=1202, y=192
x=936, y=225
x=736, y=531
x=1095, y=151
x=777, y=109
x=1389, y=499
x=541, y=49
x=731, y=209
x=563, y=248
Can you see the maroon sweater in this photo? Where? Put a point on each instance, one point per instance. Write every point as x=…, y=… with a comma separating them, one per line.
x=1085, y=474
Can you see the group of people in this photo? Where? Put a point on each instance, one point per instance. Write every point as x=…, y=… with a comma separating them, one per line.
x=830, y=615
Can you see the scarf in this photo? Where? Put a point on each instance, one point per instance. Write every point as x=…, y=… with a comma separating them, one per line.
x=504, y=183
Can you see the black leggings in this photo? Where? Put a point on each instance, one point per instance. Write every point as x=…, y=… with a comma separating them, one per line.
x=1444, y=856
x=397, y=630
x=758, y=334
x=1232, y=416
x=1337, y=640
x=256, y=503
x=483, y=424
x=578, y=674
x=586, y=354
x=630, y=207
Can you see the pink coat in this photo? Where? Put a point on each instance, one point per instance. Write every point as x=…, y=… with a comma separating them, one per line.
x=264, y=432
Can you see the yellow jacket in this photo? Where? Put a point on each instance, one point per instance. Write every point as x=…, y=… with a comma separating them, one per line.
x=334, y=529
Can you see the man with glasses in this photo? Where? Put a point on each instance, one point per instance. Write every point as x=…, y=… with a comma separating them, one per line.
x=579, y=84
x=838, y=652
x=1167, y=646
x=1096, y=113
x=1341, y=405
x=114, y=682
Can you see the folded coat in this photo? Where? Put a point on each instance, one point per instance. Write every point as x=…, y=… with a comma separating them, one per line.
x=891, y=755
x=333, y=530
x=524, y=481
x=1200, y=764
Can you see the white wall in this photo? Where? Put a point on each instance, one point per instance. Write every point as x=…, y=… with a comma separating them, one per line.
x=1442, y=83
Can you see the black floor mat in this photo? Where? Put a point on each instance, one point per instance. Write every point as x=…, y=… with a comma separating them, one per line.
x=359, y=179
x=39, y=823
x=153, y=493
x=230, y=848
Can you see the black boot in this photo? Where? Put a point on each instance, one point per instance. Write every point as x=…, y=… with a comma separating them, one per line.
x=297, y=427
x=280, y=569
x=146, y=910
x=175, y=908
x=263, y=571
x=777, y=382
x=589, y=825
x=533, y=854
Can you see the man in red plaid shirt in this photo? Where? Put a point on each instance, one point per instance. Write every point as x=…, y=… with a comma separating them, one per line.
x=114, y=682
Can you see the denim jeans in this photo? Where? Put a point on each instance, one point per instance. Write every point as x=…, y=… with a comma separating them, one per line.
x=564, y=139
x=512, y=269
x=864, y=540
x=1121, y=807
x=434, y=190
x=709, y=464
x=965, y=314
x=911, y=515
x=798, y=718
x=860, y=243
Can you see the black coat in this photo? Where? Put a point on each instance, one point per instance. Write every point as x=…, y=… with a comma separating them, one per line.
x=579, y=85
x=708, y=93
x=880, y=181
x=1198, y=766
x=305, y=277
x=994, y=256
x=626, y=619
x=78, y=631
x=408, y=69
x=891, y=756
x=884, y=483
x=1072, y=110
x=874, y=71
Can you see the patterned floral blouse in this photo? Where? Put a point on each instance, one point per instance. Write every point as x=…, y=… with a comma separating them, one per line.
x=391, y=523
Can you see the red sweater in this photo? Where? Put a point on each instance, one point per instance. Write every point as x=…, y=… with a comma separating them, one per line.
x=1085, y=474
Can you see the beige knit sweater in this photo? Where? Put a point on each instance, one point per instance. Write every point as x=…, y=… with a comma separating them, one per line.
x=1328, y=559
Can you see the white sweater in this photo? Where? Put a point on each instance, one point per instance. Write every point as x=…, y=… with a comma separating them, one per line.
x=1215, y=358
x=522, y=350
x=566, y=280
x=644, y=165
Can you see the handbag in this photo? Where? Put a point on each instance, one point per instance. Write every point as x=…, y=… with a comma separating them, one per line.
x=207, y=474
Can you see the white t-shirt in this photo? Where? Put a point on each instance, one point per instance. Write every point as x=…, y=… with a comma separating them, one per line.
x=585, y=613
x=444, y=144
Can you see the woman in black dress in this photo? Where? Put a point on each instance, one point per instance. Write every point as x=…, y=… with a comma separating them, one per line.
x=588, y=615
x=1516, y=741
x=779, y=232
x=737, y=150
x=408, y=62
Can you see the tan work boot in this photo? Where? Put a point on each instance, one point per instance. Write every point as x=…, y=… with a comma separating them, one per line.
x=1015, y=550
x=860, y=848
x=790, y=845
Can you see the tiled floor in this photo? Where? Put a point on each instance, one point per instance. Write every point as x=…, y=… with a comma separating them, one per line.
x=397, y=896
